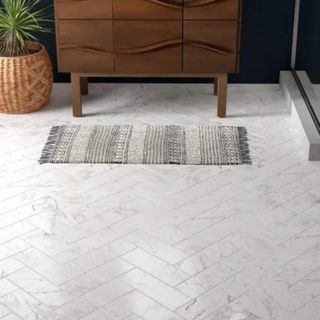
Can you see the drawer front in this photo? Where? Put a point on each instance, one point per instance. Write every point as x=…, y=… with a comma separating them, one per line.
x=211, y=9
x=210, y=46
x=148, y=9
x=84, y=9
x=85, y=46
x=148, y=47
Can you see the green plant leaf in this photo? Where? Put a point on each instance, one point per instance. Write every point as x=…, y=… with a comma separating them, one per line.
x=20, y=20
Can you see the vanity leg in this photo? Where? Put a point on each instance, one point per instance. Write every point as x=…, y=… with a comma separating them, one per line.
x=84, y=85
x=222, y=95
x=76, y=95
x=215, y=87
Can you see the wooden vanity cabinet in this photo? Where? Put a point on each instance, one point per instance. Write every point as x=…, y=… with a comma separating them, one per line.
x=148, y=38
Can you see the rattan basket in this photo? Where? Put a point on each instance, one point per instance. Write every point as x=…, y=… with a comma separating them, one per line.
x=25, y=81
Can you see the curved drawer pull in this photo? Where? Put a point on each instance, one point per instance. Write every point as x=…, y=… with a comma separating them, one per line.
x=151, y=47
x=198, y=3
x=175, y=4
x=95, y=50
x=210, y=47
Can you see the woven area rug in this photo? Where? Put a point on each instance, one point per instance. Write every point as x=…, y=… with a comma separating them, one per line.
x=147, y=144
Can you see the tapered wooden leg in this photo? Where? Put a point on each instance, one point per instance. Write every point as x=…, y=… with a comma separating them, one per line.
x=84, y=85
x=222, y=95
x=215, y=87
x=76, y=95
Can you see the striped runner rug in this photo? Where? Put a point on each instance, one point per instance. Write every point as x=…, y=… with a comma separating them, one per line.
x=147, y=144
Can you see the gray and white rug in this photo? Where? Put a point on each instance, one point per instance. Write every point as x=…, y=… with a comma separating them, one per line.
x=147, y=144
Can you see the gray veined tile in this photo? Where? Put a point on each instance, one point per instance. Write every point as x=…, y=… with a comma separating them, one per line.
x=207, y=202
x=300, y=265
x=214, y=299
x=117, y=242
x=147, y=308
x=96, y=277
x=133, y=317
x=306, y=290
x=15, y=230
x=6, y=287
x=21, y=213
x=40, y=288
x=156, y=267
x=48, y=268
x=12, y=247
x=88, y=260
x=50, y=244
x=4, y=311
x=215, y=275
x=9, y=266
x=206, y=237
x=155, y=289
x=104, y=236
x=11, y=317
x=205, y=258
x=94, y=299
x=27, y=307
x=311, y=308
x=156, y=246
x=111, y=311
x=304, y=201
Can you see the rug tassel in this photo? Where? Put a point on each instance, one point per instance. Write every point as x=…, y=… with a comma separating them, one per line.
x=50, y=145
x=244, y=145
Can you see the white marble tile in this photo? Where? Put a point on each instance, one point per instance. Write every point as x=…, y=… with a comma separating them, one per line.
x=27, y=307
x=93, y=300
x=4, y=311
x=146, y=308
x=12, y=247
x=155, y=289
x=40, y=288
x=111, y=311
x=92, y=258
x=97, y=277
x=156, y=247
x=11, y=317
x=205, y=258
x=21, y=213
x=133, y=317
x=9, y=266
x=205, y=238
x=215, y=275
x=304, y=201
x=211, y=301
x=6, y=287
x=156, y=267
x=96, y=242
x=15, y=230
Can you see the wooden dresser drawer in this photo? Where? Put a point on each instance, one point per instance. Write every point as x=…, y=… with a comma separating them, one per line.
x=148, y=47
x=215, y=51
x=211, y=9
x=148, y=9
x=84, y=9
x=85, y=46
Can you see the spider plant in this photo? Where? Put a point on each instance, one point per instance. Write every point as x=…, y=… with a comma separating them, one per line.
x=20, y=20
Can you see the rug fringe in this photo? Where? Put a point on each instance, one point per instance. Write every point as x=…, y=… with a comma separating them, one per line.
x=244, y=145
x=48, y=148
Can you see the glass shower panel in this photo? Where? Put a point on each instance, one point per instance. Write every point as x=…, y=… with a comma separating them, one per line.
x=308, y=41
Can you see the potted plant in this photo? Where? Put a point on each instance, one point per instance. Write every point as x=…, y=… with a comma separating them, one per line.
x=25, y=66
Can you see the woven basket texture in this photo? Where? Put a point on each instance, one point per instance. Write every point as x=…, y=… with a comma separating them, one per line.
x=25, y=81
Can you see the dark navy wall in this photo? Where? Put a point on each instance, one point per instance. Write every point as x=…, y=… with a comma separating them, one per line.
x=308, y=53
x=265, y=44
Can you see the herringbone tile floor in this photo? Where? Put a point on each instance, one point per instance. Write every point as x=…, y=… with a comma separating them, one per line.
x=108, y=242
